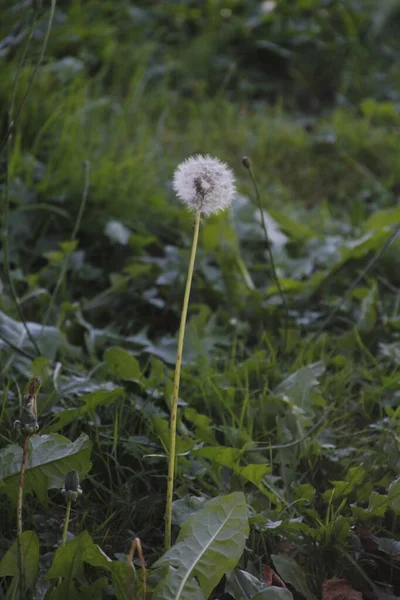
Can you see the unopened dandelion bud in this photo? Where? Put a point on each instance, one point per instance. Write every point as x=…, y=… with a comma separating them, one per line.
x=204, y=184
x=27, y=424
x=71, y=490
x=246, y=162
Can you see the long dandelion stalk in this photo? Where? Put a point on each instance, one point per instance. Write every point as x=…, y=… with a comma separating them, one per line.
x=71, y=490
x=205, y=185
x=27, y=425
x=177, y=378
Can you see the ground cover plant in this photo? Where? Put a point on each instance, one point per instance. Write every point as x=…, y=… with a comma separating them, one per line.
x=286, y=478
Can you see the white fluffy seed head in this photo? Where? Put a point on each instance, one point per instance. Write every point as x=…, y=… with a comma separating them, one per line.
x=204, y=184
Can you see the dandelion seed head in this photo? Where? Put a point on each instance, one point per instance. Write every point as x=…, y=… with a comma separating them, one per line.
x=204, y=184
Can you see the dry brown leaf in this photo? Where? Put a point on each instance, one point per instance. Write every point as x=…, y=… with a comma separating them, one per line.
x=272, y=578
x=339, y=589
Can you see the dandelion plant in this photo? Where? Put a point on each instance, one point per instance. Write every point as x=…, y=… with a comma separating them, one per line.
x=26, y=426
x=205, y=185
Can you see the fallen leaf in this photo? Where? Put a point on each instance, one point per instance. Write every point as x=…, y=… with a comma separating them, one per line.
x=339, y=589
x=271, y=578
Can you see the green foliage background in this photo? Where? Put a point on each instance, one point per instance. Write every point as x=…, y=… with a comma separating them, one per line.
x=307, y=430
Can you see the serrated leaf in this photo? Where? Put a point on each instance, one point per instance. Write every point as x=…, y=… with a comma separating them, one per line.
x=122, y=364
x=299, y=385
x=9, y=565
x=209, y=545
x=50, y=457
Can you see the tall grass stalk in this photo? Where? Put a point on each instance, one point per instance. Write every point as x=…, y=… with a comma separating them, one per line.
x=248, y=164
x=177, y=378
x=85, y=193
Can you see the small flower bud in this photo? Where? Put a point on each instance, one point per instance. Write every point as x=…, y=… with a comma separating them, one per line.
x=71, y=489
x=246, y=162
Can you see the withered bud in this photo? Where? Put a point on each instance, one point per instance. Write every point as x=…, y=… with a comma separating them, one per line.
x=27, y=424
x=246, y=162
x=71, y=490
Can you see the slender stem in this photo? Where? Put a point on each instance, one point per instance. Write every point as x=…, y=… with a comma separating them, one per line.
x=22, y=589
x=174, y=404
x=270, y=254
x=66, y=522
x=85, y=194
x=137, y=544
x=65, y=528
x=32, y=79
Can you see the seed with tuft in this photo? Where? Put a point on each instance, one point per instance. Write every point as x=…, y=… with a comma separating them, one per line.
x=204, y=184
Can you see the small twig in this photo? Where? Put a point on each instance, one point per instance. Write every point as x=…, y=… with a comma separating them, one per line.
x=247, y=163
x=137, y=544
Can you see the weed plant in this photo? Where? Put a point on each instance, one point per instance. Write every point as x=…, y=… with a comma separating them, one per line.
x=287, y=470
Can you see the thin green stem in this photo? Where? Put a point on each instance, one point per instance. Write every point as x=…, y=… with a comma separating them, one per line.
x=177, y=377
x=22, y=589
x=13, y=123
x=65, y=528
x=85, y=194
x=270, y=254
x=66, y=522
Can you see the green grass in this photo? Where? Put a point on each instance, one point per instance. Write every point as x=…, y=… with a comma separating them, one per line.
x=310, y=435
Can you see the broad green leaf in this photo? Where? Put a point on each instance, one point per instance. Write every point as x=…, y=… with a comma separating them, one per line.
x=49, y=339
x=93, y=590
x=65, y=591
x=122, y=364
x=394, y=495
x=167, y=588
x=90, y=403
x=209, y=545
x=383, y=218
x=68, y=559
x=296, y=230
x=185, y=507
x=50, y=457
x=229, y=457
x=9, y=565
x=161, y=428
x=243, y=586
x=299, y=385
x=293, y=574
